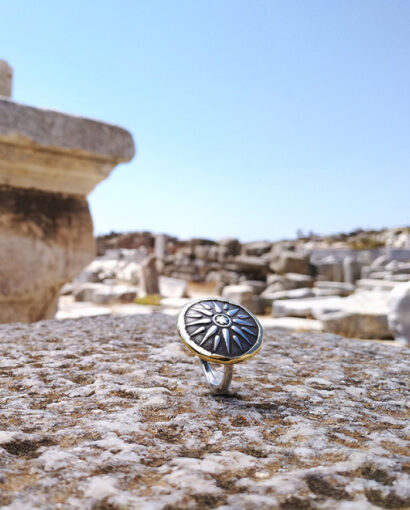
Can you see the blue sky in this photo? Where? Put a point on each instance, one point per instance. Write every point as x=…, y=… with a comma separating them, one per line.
x=252, y=118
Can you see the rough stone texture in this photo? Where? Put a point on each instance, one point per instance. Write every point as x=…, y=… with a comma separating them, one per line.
x=6, y=79
x=53, y=151
x=113, y=414
x=45, y=240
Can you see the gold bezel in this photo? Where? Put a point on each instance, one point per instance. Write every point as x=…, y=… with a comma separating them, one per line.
x=203, y=353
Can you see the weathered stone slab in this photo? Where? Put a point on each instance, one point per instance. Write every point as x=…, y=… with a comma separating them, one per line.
x=306, y=307
x=113, y=413
x=53, y=151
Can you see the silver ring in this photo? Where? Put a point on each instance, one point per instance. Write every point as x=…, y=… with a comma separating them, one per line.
x=222, y=332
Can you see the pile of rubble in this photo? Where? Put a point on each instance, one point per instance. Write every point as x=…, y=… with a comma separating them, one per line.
x=306, y=284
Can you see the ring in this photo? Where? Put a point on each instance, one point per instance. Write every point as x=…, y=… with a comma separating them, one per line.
x=222, y=332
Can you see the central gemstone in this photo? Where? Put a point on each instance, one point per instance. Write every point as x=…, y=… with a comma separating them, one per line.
x=222, y=320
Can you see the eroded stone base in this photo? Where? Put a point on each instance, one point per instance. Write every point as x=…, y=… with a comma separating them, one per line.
x=45, y=240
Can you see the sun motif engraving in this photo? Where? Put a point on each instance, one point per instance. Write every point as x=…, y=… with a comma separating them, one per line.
x=221, y=327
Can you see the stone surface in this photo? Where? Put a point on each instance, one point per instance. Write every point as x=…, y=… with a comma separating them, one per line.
x=351, y=270
x=108, y=413
x=172, y=287
x=290, y=262
x=289, y=294
x=49, y=162
x=6, y=79
x=45, y=240
x=361, y=315
x=375, y=284
x=330, y=269
x=288, y=281
x=307, y=307
x=53, y=151
x=359, y=324
x=291, y=323
x=101, y=294
x=257, y=286
x=399, y=313
x=149, y=276
x=337, y=288
x=241, y=294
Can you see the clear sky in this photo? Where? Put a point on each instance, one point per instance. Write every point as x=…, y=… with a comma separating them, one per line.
x=252, y=118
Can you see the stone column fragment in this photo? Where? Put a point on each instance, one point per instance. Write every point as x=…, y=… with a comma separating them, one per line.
x=49, y=162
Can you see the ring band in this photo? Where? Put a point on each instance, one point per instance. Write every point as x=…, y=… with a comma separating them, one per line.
x=222, y=332
x=218, y=382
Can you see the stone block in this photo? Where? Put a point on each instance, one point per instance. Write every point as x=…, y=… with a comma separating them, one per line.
x=291, y=262
x=399, y=313
x=359, y=324
x=288, y=281
x=334, y=288
x=172, y=287
x=307, y=307
x=53, y=151
x=114, y=413
x=149, y=276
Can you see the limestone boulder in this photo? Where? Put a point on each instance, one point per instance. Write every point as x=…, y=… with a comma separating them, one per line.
x=113, y=413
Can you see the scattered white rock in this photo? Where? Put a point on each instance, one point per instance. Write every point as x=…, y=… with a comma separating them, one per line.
x=172, y=287
x=399, y=313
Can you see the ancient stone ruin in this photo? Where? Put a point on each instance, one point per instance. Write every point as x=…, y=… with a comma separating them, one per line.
x=49, y=162
x=340, y=284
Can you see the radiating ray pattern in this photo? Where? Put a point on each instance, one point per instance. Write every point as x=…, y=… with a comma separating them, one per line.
x=221, y=327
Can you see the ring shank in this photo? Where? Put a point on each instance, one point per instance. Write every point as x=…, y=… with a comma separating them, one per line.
x=218, y=382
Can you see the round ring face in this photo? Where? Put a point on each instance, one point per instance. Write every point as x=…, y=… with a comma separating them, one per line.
x=220, y=331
